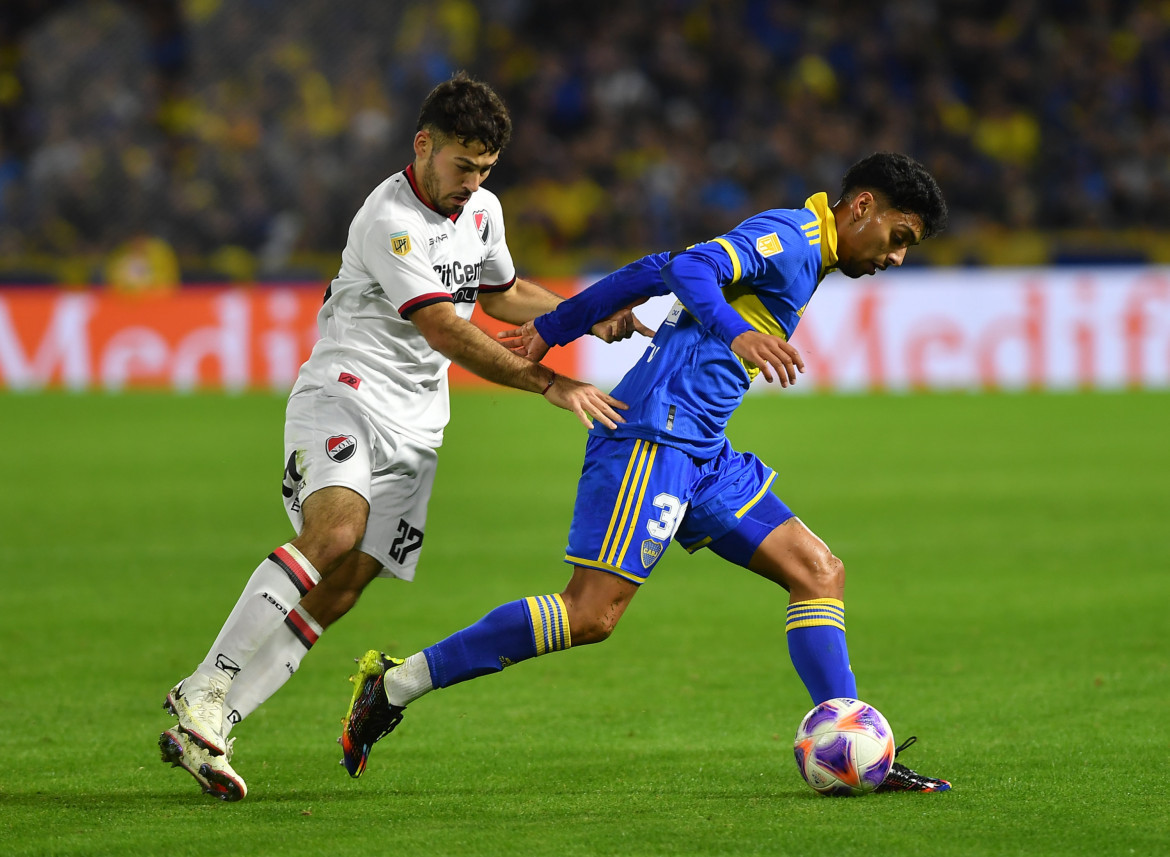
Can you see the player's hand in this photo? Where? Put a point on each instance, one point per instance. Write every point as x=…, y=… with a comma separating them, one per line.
x=525, y=341
x=776, y=357
x=621, y=325
x=586, y=401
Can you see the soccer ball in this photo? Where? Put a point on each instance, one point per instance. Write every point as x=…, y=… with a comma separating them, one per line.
x=844, y=747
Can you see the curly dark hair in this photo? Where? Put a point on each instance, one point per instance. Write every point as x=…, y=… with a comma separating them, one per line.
x=904, y=183
x=466, y=110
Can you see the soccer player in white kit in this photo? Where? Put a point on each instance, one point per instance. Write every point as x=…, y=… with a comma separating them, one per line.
x=368, y=409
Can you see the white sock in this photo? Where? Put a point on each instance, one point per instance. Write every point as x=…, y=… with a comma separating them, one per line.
x=408, y=682
x=271, y=667
x=272, y=591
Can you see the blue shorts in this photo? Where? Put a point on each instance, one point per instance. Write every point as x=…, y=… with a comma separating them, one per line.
x=636, y=496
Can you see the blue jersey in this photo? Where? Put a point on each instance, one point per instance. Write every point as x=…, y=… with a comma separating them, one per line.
x=688, y=382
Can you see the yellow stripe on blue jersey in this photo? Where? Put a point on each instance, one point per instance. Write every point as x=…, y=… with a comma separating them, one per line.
x=701, y=543
x=633, y=489
x=550, y=623
x=604, y=566
x=814, y=612
x=812, y=231
x=706, y=540
x=826, y=229
x=759, y=495
x=621, y=492
x=638, y=504
x=744, y=301
x=736, y=267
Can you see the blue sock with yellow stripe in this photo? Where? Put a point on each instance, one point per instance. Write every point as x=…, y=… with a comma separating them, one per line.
x=511, y=633
x=816, y=644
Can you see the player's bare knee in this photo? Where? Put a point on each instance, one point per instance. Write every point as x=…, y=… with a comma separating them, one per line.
x=334, y=523
x=327, y=547
x=826, y=575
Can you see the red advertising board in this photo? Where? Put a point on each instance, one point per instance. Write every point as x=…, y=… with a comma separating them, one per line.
x=924, y=329
x=227, y=338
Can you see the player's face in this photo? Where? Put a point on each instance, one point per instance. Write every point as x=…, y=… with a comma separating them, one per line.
x=449, y=174
x=875, y=236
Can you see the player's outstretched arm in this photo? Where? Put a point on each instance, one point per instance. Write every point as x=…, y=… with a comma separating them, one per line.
x=527, y=341
x=776, y=357
x=523, y=302
x=604, y=309
x=622, y=325
x=465, y=344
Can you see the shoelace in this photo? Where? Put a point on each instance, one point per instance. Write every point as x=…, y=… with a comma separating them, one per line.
x=904, y=776
x=395, y=719
x=216, y=694
x=907, y=743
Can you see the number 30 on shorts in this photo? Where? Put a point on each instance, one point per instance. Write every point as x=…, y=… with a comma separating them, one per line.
x=669, y=517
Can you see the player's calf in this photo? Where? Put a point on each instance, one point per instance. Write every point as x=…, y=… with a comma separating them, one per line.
x=594, y=602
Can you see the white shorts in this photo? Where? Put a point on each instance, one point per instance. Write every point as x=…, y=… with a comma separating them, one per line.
x=329, y=440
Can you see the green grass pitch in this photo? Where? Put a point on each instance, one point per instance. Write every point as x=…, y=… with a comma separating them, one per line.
x=1008, y=602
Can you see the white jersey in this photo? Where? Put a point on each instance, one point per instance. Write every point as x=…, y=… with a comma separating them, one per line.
x=402, y=255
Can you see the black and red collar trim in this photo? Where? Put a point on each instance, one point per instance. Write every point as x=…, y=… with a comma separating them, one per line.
x=414, y=187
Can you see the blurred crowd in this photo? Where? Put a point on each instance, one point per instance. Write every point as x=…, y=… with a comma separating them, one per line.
x=242, y=135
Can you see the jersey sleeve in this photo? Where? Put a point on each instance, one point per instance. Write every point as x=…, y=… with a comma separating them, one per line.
x=696, y=277
x=395, y=254
x=574, y=317
x=499, y=272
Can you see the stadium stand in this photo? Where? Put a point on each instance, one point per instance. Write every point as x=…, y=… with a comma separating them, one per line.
x=244, y=134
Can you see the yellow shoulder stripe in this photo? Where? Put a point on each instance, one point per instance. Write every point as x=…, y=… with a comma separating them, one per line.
x=736, y=267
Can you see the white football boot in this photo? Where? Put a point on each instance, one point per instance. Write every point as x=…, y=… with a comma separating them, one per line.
x=198, y=703
x=214, y=774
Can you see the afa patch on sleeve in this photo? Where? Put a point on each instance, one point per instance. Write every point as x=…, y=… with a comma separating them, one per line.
x=400, y=243
x=769, y=245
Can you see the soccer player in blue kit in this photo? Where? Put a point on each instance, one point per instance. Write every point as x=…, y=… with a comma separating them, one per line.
x=668, y=473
